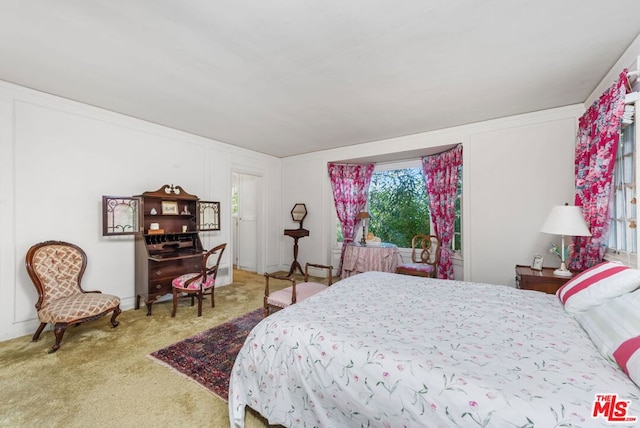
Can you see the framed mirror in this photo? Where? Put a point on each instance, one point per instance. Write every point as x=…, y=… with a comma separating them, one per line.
x=298, y=213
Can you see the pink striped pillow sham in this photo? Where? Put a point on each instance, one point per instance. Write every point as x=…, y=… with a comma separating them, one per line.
x=597, y=284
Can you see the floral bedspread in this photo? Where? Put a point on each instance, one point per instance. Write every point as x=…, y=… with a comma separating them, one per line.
x=386, y=350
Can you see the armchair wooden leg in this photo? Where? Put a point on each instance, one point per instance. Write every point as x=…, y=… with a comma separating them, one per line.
x=36, y=335
x=200, y=303
x=58, y=332
x=115, y=314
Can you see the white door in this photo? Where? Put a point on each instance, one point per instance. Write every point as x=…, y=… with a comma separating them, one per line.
x=246, y=243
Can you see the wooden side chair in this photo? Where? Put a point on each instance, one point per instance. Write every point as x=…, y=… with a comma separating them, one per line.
x=56, y=269
x=198, y=284
x=425, y=256
x=296, y=292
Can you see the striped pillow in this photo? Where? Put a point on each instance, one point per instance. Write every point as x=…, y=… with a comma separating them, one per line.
x=597, y=284
x=614, y=328
x=612, y=322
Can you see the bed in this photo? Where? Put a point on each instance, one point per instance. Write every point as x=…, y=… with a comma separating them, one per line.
x=385, y=350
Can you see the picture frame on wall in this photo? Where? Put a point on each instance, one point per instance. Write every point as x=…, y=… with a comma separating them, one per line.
x=536, y=264
x=169, y=207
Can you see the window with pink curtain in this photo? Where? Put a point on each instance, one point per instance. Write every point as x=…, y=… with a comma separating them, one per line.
x=442, y=172
x=350, y=185
x=596, y=146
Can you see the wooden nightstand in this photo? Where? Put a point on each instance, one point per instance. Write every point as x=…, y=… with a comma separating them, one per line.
x=540, y=280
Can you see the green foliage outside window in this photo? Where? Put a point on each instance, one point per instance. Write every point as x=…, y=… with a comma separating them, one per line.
x=398, y=206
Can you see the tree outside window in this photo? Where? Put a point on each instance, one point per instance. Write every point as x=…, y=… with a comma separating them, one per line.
x=398, y=206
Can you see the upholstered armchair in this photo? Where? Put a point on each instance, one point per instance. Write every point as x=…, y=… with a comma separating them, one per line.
x=425, y=256
x=56, y=269
x=296, y=292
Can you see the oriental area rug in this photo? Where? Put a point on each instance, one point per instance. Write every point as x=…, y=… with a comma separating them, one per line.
x=208, y=357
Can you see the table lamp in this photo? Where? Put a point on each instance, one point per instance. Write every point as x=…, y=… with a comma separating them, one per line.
x=565, y=220
x=363, y=215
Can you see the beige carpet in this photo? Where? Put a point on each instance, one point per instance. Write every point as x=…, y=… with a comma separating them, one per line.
x=102, y=377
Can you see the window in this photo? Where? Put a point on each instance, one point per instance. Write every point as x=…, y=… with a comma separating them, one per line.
x=399, y=206
x=622, y=226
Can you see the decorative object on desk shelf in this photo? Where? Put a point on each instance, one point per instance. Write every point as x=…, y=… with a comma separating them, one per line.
x=364, y=216
x=170, y=189
x=185, y=211
x=298, y=213
x=537, y=262
x=154, y=226
x=565, y=220
x=153, y=211
x=169, y=207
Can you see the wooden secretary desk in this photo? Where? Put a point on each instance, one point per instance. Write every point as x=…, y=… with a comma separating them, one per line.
x=166, y=223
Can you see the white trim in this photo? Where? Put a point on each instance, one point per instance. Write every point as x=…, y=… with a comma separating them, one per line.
x=627, y=259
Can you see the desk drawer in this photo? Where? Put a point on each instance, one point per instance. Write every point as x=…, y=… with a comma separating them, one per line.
x=169, y=270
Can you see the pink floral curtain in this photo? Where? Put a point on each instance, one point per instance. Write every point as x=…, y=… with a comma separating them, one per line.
x=442, y=172
x=596, y=146
x=350, y=184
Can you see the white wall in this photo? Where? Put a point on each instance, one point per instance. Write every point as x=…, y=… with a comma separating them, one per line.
x=515, y=169
x=57, y=159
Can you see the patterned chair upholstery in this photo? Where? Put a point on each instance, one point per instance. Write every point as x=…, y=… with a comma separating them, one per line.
x=425, y=256
x=276, y=300
x=198, y=284
x=56, y=269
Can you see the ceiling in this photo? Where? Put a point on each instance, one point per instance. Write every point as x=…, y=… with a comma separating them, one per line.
x=287, y=77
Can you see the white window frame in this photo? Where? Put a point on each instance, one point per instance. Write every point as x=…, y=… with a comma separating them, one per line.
x=616, y=254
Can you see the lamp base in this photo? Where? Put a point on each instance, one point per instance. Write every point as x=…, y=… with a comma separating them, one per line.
x=562, y=271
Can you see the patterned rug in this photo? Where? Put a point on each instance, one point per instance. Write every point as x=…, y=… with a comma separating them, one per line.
x=208, y=357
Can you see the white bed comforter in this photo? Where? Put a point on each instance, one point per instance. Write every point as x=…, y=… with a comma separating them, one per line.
x=385, y=350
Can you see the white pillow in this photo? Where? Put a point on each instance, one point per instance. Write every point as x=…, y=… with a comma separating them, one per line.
x=597, y=284
x=612, y=322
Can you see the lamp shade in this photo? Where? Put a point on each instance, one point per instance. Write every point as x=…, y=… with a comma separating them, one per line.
x=566, y=220
x=363, y=215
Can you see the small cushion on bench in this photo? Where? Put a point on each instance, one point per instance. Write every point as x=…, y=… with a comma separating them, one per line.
x=282, y=298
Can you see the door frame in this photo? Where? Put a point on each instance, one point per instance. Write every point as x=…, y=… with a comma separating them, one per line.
x=260, y=215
